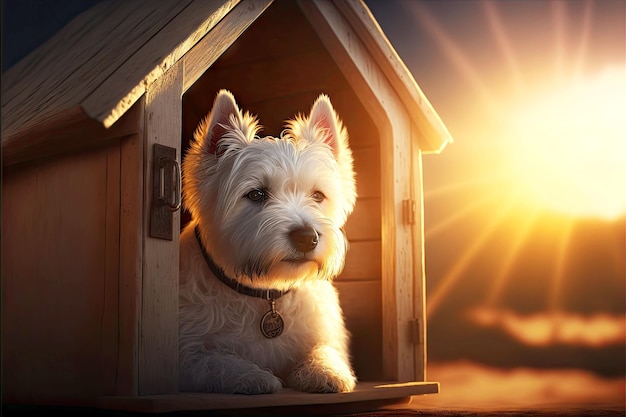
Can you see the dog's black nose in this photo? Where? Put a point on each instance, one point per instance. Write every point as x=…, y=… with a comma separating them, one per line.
x=304, y=239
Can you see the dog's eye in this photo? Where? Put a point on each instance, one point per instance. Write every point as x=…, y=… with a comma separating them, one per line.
x=257, y=195
x=318, y=196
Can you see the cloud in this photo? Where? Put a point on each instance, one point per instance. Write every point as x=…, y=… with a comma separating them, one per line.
x=469, y=385
x=552, y=328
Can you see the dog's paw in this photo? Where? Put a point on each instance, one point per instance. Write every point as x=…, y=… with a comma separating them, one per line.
x=256, y=382
x=321, y=379
x=326, y=372
x=227, y=374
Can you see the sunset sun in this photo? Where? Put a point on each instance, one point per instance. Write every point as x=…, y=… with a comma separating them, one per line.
x=568, y=147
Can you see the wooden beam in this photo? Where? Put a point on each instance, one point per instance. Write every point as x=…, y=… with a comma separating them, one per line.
x=208, y=49
x=110, y=294
x=131, y=256
x=128, y=82
x=432, y=134
x=365, y=391
x=70, y=131
x=158, y=343
x=419, y=268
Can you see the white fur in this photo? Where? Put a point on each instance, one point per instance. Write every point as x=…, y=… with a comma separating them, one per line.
x=221, y=346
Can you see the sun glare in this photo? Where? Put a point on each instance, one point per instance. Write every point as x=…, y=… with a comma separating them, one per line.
x=569, y=146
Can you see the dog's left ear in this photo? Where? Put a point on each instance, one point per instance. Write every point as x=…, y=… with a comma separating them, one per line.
x=324, y=119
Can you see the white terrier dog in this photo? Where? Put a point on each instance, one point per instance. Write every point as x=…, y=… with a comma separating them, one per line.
x=257, y=305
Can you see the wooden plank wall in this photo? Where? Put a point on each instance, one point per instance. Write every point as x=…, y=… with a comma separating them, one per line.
x=276, y=79
x=60, y=257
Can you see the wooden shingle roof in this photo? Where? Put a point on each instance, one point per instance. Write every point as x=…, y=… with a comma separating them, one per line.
x=101, y=63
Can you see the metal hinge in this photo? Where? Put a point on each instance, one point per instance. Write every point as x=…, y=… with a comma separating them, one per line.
x=409, y=211
x=417, y=331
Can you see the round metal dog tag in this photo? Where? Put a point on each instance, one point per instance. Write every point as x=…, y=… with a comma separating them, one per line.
x=272, y=324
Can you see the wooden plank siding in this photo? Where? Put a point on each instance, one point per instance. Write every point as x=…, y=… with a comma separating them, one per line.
x=110, y=313
x=131, y=261
x=59, y=275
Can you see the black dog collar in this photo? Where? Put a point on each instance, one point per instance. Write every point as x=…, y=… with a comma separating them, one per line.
x=235, y=285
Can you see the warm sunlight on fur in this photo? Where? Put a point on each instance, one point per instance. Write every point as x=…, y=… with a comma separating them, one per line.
x=550, y=328
x=569, y=147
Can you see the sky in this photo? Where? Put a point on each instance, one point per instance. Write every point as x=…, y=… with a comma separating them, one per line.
x=524, y=212
x=525, y=226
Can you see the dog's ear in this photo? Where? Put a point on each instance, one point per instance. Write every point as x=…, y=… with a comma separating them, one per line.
x=218, y=121
x=225, y=121
x=324, y=119
x=324, y=125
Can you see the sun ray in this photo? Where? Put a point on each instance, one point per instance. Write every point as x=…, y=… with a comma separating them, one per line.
x=517, y=243
x=452, y=276
x=584, y=40
x=495, y=23
x=560, y=15
x=556, y=286
x=435, y=229
x=480, y=182
x=618, y=253
x=428, y=22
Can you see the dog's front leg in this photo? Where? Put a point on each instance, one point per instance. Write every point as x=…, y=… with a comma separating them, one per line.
x=213, y=371
x=325, y=369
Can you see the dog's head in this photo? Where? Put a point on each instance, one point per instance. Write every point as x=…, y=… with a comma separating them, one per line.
x=271, y=209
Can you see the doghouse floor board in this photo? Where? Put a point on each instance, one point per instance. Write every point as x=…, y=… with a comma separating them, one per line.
x=366, y=392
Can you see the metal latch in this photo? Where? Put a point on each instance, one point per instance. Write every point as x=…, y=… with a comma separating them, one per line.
x=166, y=185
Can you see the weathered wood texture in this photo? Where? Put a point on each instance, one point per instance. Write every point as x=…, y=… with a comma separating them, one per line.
x=59, y=277
x=223, y=35
x=131, y=261
x=432, y=135
x=72, y=131
x=419, y=267
x=158, y=347
x=88, y=69
x=370, y=391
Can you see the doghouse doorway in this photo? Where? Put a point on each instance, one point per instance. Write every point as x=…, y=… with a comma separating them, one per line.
x=276, y=70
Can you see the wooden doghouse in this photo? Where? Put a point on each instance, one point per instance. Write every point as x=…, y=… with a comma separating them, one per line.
x=89, y=242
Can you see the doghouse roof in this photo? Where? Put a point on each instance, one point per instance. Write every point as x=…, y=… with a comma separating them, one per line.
x=100, y=64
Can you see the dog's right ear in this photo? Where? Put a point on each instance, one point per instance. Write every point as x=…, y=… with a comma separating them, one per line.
x=219, y=121
x=226, y=127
